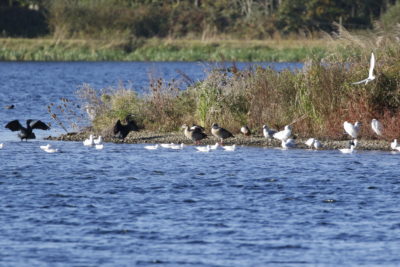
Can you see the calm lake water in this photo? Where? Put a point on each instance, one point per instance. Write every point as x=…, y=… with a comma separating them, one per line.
x=126, y=206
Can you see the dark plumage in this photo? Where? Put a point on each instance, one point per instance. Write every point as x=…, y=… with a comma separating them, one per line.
x=26, y=133
x=121, y=131
x=10, y=107
x=194, y=133
x=220, y=132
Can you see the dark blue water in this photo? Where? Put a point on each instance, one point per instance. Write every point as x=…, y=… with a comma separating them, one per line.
x=126, y=206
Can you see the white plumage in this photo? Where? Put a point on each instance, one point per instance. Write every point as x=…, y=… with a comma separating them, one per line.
x=284, y=134
x=229, y=148
x=89, y=142
x=351, y=129
x=377, y=126
x=371, y=76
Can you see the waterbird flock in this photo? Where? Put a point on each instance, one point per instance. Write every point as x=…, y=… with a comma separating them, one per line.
x=196, y=133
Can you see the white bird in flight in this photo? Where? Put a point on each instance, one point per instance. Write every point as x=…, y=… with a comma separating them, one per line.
x=351, y=129
x=377, y=126
x=371, y=75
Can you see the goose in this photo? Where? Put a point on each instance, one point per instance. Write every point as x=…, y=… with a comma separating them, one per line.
x=377, y=127
x=284, y=134
x=229, y=148
x=245, y=130
x=121, y=131
x=220, y=132
x=351, y=129
x=195, y=133
x=26, y=133
x=99, y=146
x=197, y=127
x=371, y=75
x=151, y=147
x=349, y=150
x=89, y=142
x=288, y=143
x=203, y=148
x=394, y=145
x=268, y=133
x=98, y=141
x=214, y=147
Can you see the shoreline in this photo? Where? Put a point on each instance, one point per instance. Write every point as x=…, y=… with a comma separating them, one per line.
x=150, y=137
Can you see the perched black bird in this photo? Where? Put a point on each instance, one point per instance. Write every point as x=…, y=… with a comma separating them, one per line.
x=26, y=133
x=121, y=131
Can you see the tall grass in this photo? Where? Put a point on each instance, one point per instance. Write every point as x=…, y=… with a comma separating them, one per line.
x=157, y=50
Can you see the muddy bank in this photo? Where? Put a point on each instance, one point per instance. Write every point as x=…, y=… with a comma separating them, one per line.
x=150, y=137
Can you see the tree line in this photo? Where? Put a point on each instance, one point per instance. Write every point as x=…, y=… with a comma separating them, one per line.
x=252, y=19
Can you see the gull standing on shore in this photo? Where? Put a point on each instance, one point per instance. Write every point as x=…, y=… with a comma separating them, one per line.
x=267, y=132
x=371, y=76
x=284, y=134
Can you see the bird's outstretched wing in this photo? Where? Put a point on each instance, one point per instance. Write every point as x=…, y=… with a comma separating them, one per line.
x=363, y=81
x=14, y=125
x=371, y=66
x=37, y=124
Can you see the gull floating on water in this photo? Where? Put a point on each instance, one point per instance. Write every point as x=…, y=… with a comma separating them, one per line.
x=284, y=134
x=89, y=142
x=98, y=141
x=167, y=145
x=173, y=146
x=377, y=126
x=229, y=148
x=49, y=149
x=267, y=132
x=351, y=129
x=289, y=143
x=214, y=147
x=394, y=145
x=1, y=145
x=203, y=148
x=99, y=146
x=349, y=150
x=371, y=76
x=151, y=147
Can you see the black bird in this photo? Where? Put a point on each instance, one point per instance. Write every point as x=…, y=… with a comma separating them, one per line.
x=26, y=133
x=121, y=131
x=9, y=107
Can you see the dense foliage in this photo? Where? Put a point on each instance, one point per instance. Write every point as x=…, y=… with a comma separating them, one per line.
x=253, y=19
